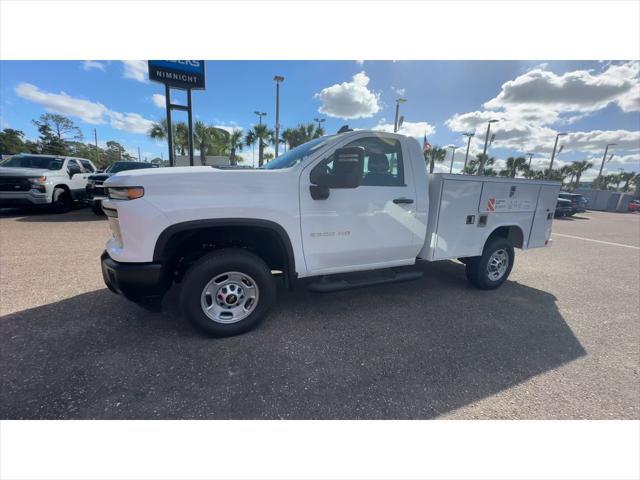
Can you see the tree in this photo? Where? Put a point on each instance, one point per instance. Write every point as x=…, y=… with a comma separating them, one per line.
x=49, y=142
x=626, y=177
x=116, y=152
x=202, y=139
x=261, y=134
x=60, y=126
x=474, y=164
x=235, y=143
x=158, y=131
x=11, y=141
x=513, y=166
x=434, y=154
x=579, y=168
x=301, y=134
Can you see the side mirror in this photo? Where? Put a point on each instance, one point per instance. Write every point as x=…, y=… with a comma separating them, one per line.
x=73, y=169
x=347, y=166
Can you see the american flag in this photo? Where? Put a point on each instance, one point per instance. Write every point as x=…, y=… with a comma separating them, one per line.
x=426, y=146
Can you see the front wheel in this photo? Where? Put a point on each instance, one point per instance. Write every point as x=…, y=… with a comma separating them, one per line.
x=61, y=201
x=97, y=208
x=228, y=292
x=490, y=270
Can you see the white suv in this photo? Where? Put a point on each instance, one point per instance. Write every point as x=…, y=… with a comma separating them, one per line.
x=33, y=179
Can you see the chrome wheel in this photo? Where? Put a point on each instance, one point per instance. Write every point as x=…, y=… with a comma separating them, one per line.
x=497, y=264
x=229, y=297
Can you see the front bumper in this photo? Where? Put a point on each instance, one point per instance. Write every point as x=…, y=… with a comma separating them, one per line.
x=23, y=199
x=136, y=281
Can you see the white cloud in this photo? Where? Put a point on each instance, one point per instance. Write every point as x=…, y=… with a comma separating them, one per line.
x=399, y=91
x=349, y=99
x=158, y=100
x=136, y=70
x=94, y=113
x=229, y=128
x=89, y=112
x=93, y=65
x=410, y=129
x=576, y=91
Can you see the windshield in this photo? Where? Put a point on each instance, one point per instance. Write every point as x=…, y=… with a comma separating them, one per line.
x=297, y=155
x=33, y=161
x=121, y=166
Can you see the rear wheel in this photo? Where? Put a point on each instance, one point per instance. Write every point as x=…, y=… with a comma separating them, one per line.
x=61, y=201
x=228, y=292
x=490, y=270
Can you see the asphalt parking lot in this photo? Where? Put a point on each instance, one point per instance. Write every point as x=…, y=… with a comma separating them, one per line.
x=560, y=340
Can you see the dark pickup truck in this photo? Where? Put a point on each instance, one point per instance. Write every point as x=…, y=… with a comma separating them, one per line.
x=95, y=190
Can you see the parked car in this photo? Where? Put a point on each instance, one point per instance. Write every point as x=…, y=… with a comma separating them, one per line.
x=95, y=191
x=634, y=206
x=48, y=180
x=358, y=201
x=564, y=208
x=578, y=202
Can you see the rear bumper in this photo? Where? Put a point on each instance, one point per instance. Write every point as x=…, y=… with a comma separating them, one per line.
x=135, y=281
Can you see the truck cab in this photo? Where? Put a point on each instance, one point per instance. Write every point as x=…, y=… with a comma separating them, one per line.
x=352, y=202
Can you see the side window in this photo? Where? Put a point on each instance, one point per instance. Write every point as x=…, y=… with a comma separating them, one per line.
x=87, y=166
x=382, y=161
x=73, y=164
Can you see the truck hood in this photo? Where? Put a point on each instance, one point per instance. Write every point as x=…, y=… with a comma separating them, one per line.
x=99, y=176
x=26, y=172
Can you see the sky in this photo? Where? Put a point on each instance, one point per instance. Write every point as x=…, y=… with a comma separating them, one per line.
x=595, y=102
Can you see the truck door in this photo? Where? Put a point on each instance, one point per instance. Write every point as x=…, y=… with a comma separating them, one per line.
x=543, y=217
x=365, y=227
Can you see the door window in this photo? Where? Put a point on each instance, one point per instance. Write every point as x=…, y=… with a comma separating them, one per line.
x=87, y=166
x=382, y=161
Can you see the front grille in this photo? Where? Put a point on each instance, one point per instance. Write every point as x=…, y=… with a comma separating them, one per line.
x=14, y=184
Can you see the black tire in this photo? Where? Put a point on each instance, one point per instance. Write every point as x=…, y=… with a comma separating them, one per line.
x=476, y=267
x=61, y=201
x=217, y=263
x=97, y=208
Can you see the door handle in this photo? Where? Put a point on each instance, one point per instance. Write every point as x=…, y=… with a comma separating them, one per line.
x=402, y=200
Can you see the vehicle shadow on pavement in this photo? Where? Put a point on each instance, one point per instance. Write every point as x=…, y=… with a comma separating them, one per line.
x=401, y=351
x=43, y=215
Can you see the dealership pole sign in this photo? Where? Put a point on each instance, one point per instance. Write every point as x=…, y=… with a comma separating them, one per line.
x=183, y=75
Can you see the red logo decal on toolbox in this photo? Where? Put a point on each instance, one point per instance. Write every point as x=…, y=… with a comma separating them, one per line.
x=491, y=205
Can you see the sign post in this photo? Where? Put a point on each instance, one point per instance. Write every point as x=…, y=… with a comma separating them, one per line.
x=181, y=75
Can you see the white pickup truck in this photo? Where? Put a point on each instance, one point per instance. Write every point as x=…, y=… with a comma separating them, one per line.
x=359, y=201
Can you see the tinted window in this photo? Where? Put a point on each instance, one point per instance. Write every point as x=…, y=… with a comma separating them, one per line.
x=33, y=161
x=382, y=161
x=296, y=155
x=87, y=166
x=122, y=166
x=73, y=163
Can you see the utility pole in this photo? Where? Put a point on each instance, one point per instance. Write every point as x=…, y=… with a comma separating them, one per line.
x=453, y=153
x=319, y=122
x=604, y=157
x=278, y=79
x=484, y=151
x=466, y=156
x=395, y=123
x=553, y=154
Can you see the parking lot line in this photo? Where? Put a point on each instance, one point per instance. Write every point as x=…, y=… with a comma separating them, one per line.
x=596, y=241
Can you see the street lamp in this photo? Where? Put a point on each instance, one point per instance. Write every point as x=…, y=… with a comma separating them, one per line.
x=484, y=151
x=466, y=156
x=606, y=150
x=531, y=154
x=319, y=121
x=278, y=79
x=395, y=123
x=453, y=153
x=553, y=154
x=260, y=115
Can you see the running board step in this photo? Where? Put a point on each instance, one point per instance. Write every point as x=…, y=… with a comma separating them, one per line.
x=327, y=284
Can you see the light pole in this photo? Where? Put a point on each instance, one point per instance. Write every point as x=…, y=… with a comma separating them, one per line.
x=484, y=150
x=604, y=157
x=278, y=79
x=260, y=115
x=531, y=154
x=466, y=156
x=453, y=154
x=319, y=121
x=553, y=154
x=399, y=100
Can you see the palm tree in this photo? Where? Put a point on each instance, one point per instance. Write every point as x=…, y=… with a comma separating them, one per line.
x=474, y=164
x=626, y=177
x=235, y=143
x=301, y=134
x=202, y=139
x=434, y=154
x=513, y=166
x=261, y=134
x=579, y=168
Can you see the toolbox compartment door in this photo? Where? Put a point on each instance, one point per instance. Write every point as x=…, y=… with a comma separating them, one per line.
x=543, y=218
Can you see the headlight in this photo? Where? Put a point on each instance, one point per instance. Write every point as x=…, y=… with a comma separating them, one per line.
x=38, y=183
x=125, y=193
